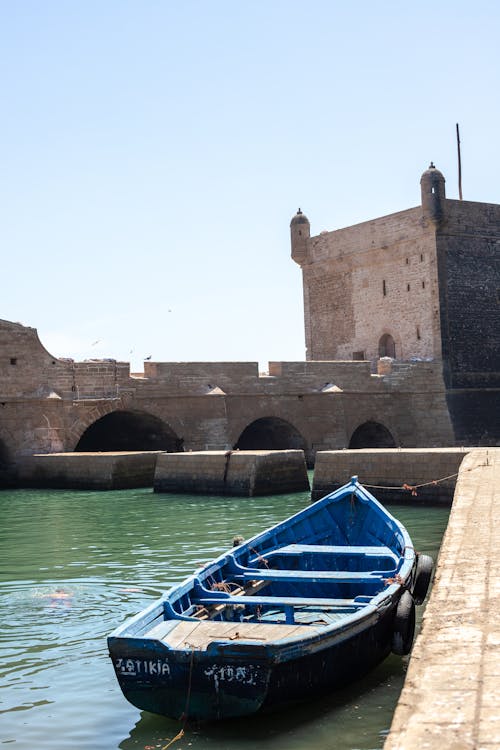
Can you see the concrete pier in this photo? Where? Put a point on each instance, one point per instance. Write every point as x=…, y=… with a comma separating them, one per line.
x=89, y=471
x=451, y=695
x=392, y=467
x=244, y=473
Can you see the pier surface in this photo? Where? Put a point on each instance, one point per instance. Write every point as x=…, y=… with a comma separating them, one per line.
x=451, y=695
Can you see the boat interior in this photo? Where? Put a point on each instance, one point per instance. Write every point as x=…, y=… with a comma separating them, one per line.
x=318, y=569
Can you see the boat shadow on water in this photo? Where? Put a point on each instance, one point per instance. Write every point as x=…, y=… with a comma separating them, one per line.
x=310, y=723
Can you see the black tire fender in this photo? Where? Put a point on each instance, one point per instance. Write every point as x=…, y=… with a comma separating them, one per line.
x=403, y=629
x=423, y=576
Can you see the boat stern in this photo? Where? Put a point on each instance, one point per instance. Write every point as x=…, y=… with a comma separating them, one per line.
x=187, y=683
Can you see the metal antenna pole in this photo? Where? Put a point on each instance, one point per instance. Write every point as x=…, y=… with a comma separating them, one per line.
x=459, y=165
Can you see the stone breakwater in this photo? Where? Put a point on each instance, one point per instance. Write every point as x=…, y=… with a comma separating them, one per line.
x=244, y=473
x=429, y=474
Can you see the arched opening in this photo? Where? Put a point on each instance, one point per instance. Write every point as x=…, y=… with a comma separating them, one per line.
x=6, y=468
x=372, y=435
x=129, y=431
x=4, y=455
x=270, y=433
x=387, y=346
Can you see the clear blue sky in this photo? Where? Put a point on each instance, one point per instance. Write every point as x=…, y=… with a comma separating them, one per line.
x=153, y=154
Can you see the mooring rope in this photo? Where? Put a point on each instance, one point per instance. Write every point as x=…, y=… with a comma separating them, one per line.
x=260, y=559
x=414, y=487
x=178, y=736
x=184, y=715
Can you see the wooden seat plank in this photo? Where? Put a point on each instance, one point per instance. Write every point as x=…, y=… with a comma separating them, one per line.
x=205, y=632
x=276, y=601
x=335, y=576
x=293, y=549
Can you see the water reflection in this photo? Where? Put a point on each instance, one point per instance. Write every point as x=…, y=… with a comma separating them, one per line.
x=74, y=565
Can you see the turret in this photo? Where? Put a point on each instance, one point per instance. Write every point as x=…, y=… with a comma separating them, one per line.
x=433, y=194
x=300, y=231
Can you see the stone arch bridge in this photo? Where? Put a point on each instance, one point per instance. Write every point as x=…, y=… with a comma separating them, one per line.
x=50, y=405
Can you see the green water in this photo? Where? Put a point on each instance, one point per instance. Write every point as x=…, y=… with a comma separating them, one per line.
x=110, y=554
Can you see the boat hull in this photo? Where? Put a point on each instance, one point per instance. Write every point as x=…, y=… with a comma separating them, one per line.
x=303, y=608
x=222, y=683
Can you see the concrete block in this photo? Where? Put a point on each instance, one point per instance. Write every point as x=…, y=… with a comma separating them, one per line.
x=243, y=473
x=88, y=471
x=391, y=468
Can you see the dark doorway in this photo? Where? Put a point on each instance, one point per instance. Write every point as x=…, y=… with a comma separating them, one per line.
x=129, y=431
x=372, y=435
x=7, y=473
x=4, y=456
x=386, y=346
x=270, y=433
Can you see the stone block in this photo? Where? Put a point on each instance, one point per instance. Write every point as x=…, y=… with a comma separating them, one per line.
x=88, y=471
x=243, y=473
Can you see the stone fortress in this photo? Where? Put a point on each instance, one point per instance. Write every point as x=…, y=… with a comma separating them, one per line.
x=422, y=284
x=402, y=337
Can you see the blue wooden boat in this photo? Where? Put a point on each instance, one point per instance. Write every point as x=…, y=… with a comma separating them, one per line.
x=303, y=608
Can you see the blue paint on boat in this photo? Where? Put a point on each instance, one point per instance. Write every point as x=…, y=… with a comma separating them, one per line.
x=305, y=607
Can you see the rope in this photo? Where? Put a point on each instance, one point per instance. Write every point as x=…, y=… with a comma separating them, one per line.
x=184, y=716
x=406, y=486
x=260, y=559
x=227, y=456
x=227, y=586
x=178, y=736
x=414, y=487
x=188, y=695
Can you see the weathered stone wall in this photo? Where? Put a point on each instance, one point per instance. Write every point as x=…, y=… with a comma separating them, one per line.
x=202, y=377
x=468, y=251
x=28, y=370
x=88, y=471
x=386, y=468
x=244, y=473
x=50, y=403
x=429, y=278
x=365, y=281
x=468, y=246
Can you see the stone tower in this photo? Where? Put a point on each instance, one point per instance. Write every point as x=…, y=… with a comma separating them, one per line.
x=433, y=193
x=300, y=231
x=420, y=284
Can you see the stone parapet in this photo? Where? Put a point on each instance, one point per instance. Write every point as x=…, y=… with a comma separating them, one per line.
x=385, y=230
x=472, y=218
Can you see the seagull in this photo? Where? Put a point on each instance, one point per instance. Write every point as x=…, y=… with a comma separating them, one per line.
x=95, y=342
x=149, y=357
